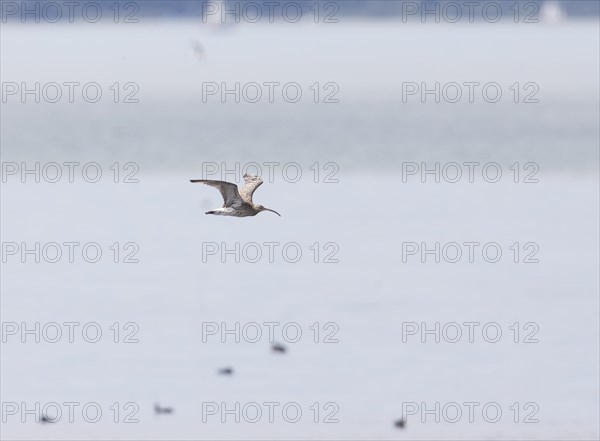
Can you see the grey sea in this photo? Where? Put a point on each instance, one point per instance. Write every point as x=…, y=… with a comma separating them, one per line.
x=375, y=326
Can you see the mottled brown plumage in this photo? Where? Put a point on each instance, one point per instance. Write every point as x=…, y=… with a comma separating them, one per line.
x=236, y=202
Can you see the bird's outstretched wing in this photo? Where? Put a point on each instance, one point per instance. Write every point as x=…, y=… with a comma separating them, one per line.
x=252, y=183
x=229, y=191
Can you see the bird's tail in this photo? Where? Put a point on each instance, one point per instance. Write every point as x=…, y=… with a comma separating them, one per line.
x=210, y=212
x=196, y=180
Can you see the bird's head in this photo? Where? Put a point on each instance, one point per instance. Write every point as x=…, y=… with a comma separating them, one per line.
x=262, y=208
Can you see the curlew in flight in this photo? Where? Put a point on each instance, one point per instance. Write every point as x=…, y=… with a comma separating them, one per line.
x=237, y=203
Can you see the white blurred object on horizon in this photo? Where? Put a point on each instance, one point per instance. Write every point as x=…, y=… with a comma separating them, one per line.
x=552, y=12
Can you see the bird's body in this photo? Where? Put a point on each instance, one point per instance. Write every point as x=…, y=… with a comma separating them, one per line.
x=236, y=202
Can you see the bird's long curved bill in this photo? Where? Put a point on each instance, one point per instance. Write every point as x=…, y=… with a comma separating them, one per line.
x=268, y=209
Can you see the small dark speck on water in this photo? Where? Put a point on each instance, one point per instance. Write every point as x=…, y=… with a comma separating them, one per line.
x=277, y=347
x=162, y=410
